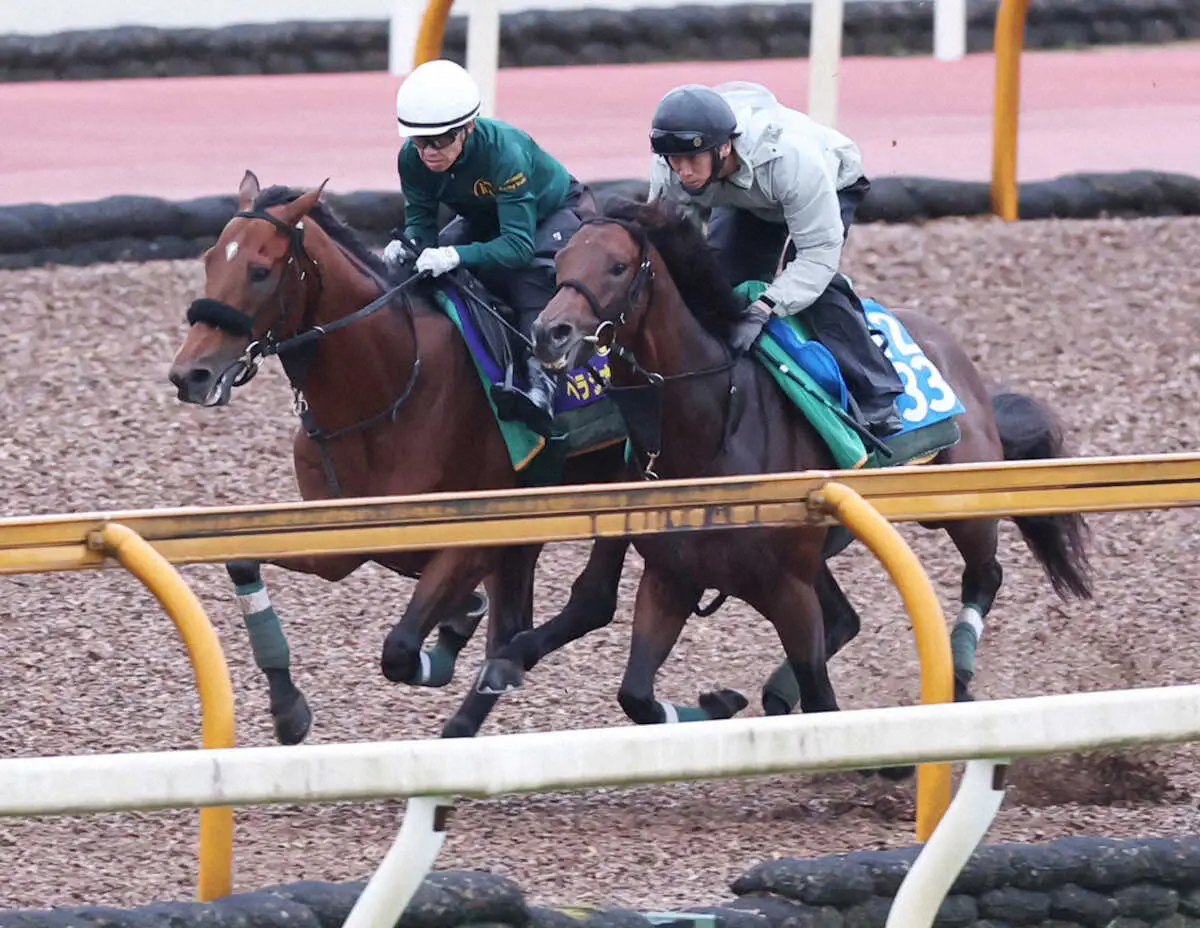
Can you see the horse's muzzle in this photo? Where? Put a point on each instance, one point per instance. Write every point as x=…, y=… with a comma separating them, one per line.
x=201, y=385
x=554, y=343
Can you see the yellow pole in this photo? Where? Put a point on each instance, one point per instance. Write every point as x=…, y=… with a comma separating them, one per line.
x=432, y=32
x=212, y=680
x=1010, y=37
x=929, y=627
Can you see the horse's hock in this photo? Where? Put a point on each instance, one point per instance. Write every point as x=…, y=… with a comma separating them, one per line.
x=1060, y=884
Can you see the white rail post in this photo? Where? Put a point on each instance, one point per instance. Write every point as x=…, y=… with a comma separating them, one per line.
x=405, y=865
x=403, y=28
x=949, y=29
x=824, y=61
x=483, y=50
x=949, y=848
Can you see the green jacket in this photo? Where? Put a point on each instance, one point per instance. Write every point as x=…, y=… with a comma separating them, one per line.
x=503, y=184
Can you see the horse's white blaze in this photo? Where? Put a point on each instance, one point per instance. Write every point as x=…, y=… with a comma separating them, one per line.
x=231, y=251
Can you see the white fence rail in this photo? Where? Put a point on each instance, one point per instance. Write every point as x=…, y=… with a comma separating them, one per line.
x=483, y=27
x=825, y=42
x=432, y=771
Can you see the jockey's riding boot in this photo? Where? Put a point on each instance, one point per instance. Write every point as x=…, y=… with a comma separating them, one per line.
x=885, y=420
x=534, y=406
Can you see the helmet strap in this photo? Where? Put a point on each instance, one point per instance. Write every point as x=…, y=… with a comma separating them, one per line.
x=716, y=163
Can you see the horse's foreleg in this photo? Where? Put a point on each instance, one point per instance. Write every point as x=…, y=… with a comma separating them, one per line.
x=781, y=692
x=662, y=608
x=591, y=606
x=447, y=581
x=511, y=612
x=290, y=713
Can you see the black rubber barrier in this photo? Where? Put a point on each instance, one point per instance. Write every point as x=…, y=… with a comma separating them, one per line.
x=1069, y=883
x=590, y=36
x=132, y=228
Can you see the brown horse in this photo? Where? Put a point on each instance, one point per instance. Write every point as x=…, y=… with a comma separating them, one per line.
x=641, y=279
x=390, y=404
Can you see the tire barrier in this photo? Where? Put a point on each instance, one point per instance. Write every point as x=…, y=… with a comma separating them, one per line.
x=583, y=36
x=1067, y=883
x=137, y=228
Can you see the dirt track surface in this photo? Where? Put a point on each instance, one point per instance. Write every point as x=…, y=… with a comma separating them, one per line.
x=1096, y=317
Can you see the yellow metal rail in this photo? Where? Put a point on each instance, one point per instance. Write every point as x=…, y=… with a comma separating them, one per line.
x=901, y=494
x=1009, y=40
x=929, y=627
x=432, y=33
x=212, y=680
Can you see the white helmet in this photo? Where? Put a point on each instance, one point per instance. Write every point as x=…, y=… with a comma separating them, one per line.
x=436, y=97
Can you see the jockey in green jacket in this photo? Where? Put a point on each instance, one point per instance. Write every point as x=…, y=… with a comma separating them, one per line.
x=516, y=204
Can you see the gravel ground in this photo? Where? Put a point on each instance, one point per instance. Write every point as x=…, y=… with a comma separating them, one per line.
x=1097, y=317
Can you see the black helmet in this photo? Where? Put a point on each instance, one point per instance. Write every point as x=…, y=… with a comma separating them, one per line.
x=690, y=119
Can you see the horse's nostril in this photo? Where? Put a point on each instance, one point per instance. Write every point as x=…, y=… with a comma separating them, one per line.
x=561, y=332
x=189, y=376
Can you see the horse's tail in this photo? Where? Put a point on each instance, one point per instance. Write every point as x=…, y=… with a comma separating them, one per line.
x=1030, y=431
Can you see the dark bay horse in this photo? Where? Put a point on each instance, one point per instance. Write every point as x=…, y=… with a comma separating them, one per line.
x=641, y=279
x=390, y=404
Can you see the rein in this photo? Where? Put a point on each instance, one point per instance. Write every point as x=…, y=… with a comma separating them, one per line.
x=643, y=417
x=296, y=351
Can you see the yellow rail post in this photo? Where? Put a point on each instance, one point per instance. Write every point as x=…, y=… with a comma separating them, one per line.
x=212, y=680
x=1010, y=37
x=929, y=627
x=432, y=32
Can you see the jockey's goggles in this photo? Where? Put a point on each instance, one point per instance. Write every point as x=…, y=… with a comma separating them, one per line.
x=436, y=142
x=672, y=142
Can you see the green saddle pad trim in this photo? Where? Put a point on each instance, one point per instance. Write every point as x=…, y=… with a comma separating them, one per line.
x=822, y=410
x=524, y=444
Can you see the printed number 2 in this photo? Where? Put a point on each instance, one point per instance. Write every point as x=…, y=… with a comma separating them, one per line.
x=941, y=397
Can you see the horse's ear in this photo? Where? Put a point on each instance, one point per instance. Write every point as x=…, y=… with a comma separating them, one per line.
x=299, y=207
x=248, y=190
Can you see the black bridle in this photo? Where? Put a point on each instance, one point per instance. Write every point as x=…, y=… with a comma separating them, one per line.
x=297, y=350
x=641, y=404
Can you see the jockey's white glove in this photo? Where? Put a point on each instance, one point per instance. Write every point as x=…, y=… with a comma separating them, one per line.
x=395, y=252
x=750, y=326
x=438, y=261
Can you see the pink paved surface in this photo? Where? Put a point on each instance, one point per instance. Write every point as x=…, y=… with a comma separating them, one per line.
x=1102, y=110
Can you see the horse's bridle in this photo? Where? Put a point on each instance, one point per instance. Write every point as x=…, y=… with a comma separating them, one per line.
x=605, y=335
x=295, y=351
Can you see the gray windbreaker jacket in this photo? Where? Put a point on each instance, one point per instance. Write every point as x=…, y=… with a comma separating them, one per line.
x=791, y=170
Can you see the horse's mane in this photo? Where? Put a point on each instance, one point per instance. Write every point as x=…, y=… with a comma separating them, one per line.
x=689, y=259
x=334, y=225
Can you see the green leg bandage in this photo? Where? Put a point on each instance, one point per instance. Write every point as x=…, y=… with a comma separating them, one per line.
x=267, y=640
x=437, y=665
x=673, y=713
x=964, y=640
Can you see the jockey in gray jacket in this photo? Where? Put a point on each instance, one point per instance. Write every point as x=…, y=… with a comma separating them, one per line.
x=776, y=179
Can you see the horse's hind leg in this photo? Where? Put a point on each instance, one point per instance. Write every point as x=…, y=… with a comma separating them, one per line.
x=977, y=541
x=290, y=713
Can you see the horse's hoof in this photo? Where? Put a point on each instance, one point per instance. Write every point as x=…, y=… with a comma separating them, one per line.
x=293, y=723
x=723, y=704
x=896, y=774
x=961, y=693
x=499, y=676
x=459, y=728
x=774, y=704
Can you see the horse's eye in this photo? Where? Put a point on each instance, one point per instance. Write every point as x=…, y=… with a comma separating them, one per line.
x=619, y=268
x=259, y=274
